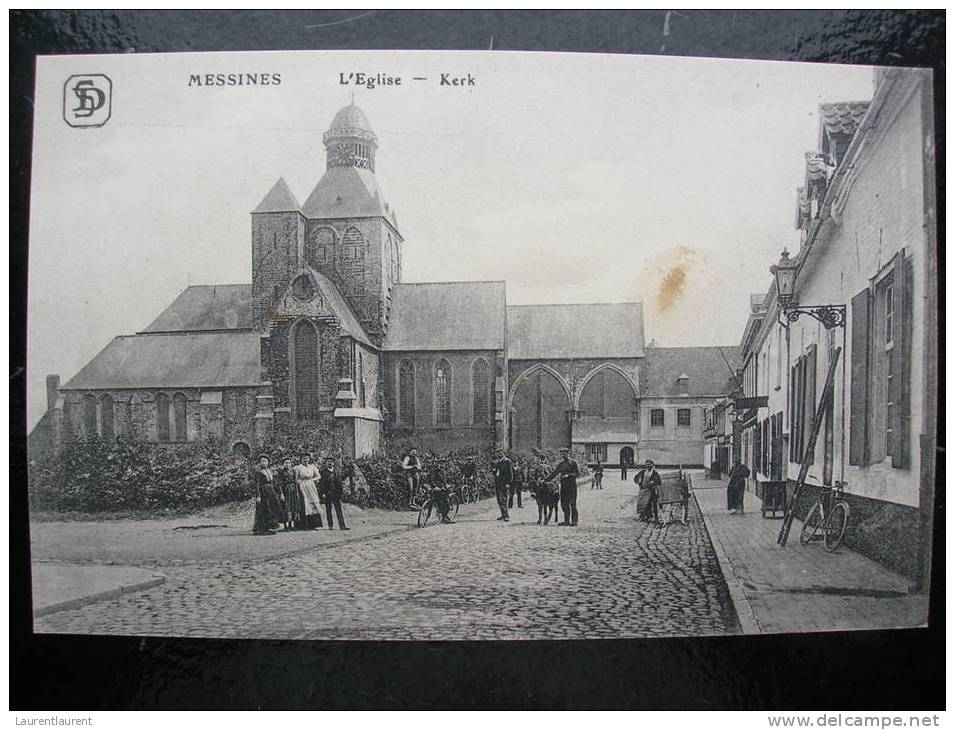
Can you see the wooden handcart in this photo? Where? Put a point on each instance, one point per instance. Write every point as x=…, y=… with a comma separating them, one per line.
x=674, y=495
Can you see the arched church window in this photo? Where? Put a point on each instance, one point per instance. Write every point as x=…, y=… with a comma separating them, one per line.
x=481, y=390
x=180, y=432
x=302, y=288
x=162, y=417
x=353, y=245
x=406, y=399
x=305, y=364
x=320, y=247
x=106, y=416
x=442, y=393
x=89, y=415
x=361, y=382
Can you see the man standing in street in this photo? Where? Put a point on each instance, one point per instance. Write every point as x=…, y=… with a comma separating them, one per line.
x=737, y=485
x=623, y=467
x=503, y=476
x=411, y=466
x=330, y=488
x=517, y=486
x=597, y=482
x=568, y=470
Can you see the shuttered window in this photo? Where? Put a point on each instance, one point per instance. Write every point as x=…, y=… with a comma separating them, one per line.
x=802, y=401
x=879, y=387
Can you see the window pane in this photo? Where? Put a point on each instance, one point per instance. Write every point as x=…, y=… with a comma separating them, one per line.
x=656, y=417
x=406, y=400
x=162, y=417
x=442, y=393
x=306, y=364
x=683, y=417
x=481, y=385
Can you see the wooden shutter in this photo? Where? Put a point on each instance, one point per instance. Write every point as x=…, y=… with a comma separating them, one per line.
x=902, y=344
x=757, y=447
x=859, y=379
x=809, y=414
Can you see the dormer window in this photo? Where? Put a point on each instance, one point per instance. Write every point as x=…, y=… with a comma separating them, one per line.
x=683, y=385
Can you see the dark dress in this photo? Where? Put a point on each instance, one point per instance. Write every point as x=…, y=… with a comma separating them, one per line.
x=268, y=507
x=650, y=483
x=736, y=486
x=294, y=506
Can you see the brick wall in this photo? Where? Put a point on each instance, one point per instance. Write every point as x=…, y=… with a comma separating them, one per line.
x=276, y=246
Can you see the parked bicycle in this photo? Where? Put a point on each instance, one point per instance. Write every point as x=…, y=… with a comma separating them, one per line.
x=428, y=506
x=827, y=519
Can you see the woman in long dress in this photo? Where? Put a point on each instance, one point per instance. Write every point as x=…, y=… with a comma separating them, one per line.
x=307, y=476
x=736, y=486
x=294, y=516
x=268, y=509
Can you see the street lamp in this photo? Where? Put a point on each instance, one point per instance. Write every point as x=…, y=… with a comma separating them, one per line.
x=830, y=315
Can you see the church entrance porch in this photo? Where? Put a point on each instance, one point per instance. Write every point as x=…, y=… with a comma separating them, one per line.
x=540, y=413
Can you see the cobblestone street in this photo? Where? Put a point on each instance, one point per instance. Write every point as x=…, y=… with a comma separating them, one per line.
x=477, y=579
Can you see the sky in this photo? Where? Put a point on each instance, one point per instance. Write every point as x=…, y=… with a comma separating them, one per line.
x=574, y=177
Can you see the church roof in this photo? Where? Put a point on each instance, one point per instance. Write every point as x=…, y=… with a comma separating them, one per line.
x=343, y=312
x=182, y=360
x=560, y=331
x=455, y=315
x=704, y=366
x=351, y=117
x=347, y=192
x=207, y=307
x=278, y=200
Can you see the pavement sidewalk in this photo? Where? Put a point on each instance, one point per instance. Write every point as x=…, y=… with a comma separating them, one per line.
x=59, y=587
x=800, y=588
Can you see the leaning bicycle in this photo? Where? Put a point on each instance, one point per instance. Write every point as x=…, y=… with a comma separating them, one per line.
x=827, y=519
x=428, y=507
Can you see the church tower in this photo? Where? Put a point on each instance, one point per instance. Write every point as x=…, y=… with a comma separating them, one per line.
x=350, y=232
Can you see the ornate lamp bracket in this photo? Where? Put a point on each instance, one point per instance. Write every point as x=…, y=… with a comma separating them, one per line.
x=830, y=315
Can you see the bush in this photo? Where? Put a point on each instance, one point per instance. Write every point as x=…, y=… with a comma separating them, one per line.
x=95, y=475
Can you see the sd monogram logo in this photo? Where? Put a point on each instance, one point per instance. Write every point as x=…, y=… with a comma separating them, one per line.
x=87, y=100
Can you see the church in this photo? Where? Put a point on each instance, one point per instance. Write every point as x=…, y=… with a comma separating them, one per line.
x=327, y=336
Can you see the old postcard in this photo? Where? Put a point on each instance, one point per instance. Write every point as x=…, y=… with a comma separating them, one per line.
x=480, y=345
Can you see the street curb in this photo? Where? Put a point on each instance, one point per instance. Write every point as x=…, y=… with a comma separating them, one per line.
x=744, y=609
x=97, y=597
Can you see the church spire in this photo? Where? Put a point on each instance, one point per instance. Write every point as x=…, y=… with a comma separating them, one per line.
x=349, y=141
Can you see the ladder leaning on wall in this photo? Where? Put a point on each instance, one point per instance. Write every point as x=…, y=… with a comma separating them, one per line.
x=827, y=392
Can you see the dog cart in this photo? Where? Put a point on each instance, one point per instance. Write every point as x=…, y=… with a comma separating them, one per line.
x=674, y=495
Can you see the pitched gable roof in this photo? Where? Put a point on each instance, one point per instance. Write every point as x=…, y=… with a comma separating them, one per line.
x=278, y=200
x=182, y=360
x=342, y=310
x=708, y=374
x=207, y=307
x=559, y=331
x=456, y=315
x=347, y=192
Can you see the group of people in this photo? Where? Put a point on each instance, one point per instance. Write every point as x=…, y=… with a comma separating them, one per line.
x=292, y=495
x=508, y=481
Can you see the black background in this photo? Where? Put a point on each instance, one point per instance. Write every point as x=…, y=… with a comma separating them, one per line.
x=859, y=670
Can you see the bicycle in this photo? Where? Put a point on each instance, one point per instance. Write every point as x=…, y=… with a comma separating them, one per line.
x=830, y=516
x=428, y=506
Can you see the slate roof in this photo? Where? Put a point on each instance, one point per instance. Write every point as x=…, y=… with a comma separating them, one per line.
x=456, y=315
x=347, y=192
x=343, y=312
x=188, y=359
x=278, y=200
x=560, y=331
x=207, y=307
x=842, y=117
x=708, y=373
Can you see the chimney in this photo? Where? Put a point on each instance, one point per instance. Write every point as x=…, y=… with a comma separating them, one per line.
x=52, y=389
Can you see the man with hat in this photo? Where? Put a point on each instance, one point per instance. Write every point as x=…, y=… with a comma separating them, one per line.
x=650, y=482
x=330, y=489
x=503, y=476
x=568, y=471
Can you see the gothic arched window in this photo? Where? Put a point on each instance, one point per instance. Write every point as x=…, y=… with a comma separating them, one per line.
x=305, y=364
x=361, y=382
x=442, y=393
x=106, y=416
x=162, y=417
x=89, y=415
x=180, y=432
x=406, y=399
x=353, y=245
x=320, y=247
x=481, y=391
